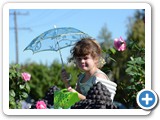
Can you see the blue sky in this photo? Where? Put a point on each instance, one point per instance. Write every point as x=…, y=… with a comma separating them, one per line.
x=38, y=21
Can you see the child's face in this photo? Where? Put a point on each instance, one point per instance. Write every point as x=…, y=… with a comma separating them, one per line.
x=86, y=63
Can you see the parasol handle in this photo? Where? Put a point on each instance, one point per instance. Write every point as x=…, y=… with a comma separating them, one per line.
x=69, y=78
x=62, y=61
x=60, y=55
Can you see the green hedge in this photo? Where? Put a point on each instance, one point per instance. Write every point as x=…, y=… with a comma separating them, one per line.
x=44, y=76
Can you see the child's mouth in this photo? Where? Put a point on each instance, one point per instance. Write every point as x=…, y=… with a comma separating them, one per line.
x=83, y=65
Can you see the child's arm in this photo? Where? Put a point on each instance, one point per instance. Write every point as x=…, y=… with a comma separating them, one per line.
x=82, y=97
x=67, y=85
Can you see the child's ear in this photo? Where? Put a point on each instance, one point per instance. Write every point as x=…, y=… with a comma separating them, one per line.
x=96, y=59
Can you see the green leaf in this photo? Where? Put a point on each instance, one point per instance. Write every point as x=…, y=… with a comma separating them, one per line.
x=131, y=73
x=18, y=74
x=113, y=51
x=132, y=80
x=132, y=59
x=104, y=50
x=12, y=93
x=17, y=66
x=11, y=98
x=27, y=87
x=13, y=74
x=131, y=62
x=12, y=105
x=112, y=59
x=140, y=61
x=131, y=87
x=24, y=95
x=10, y=77
x=135, y=68
x=21, y=87
x=19, y=105
x=129, y=69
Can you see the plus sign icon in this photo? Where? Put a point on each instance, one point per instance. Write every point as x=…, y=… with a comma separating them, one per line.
x=147, y=99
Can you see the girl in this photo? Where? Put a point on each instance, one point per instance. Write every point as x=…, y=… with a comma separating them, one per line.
x=87, y=56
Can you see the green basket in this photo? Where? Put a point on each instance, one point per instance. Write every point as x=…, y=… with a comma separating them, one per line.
x=65, y=99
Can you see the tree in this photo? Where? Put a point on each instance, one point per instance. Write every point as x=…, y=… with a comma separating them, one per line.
x=105, y=36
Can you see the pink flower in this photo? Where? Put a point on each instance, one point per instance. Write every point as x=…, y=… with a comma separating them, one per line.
x=26, y=76
x=41, y=105
x=120, y=44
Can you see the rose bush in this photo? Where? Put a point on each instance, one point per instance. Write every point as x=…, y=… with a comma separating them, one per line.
x=134, y=69
x=18, y=86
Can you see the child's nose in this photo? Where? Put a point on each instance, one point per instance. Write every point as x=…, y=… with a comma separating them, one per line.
x=82, y=60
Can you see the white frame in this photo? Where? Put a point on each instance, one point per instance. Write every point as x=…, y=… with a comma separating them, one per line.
x=8, y=6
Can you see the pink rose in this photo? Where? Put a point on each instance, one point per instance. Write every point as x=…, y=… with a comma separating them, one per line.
x=41, y=105
x=26, y=76
x=120, y=44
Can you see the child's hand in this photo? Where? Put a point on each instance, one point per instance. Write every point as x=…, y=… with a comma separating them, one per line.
x=64, y=76
x=70, y=89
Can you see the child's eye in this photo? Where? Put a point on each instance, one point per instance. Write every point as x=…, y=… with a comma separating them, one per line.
x=80, y=58
x=85, y=58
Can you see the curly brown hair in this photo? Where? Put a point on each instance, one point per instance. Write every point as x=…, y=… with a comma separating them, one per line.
x=85, y=47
